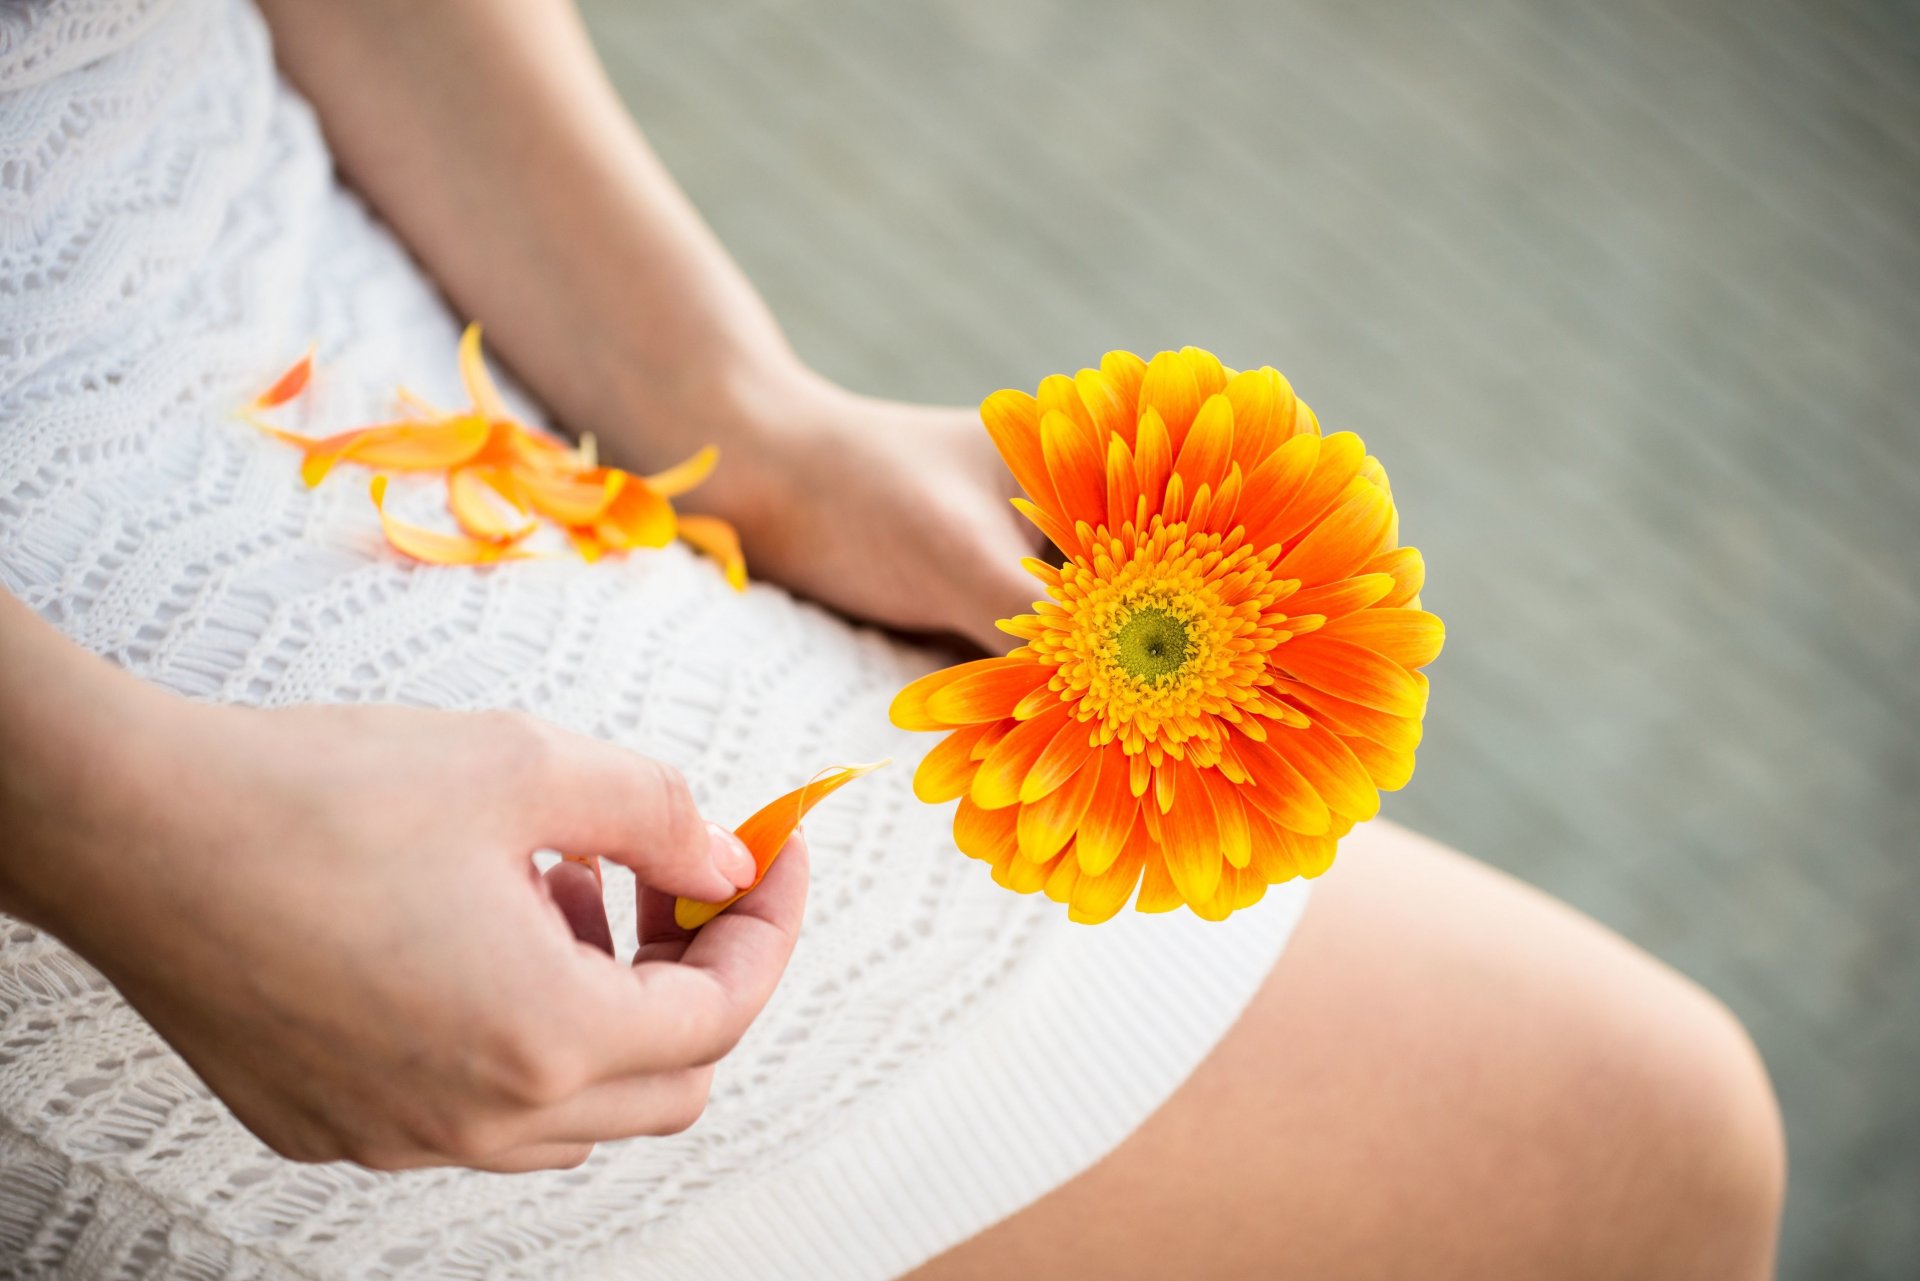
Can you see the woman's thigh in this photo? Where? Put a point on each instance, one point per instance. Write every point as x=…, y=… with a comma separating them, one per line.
x=1447, y=1074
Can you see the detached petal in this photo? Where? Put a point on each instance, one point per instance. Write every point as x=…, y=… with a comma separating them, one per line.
x=402, y=446
x=684, y=476
x=432, y=546
x=475, y=500
x=767, y=833
x=580, y=499
x=637, y=517
x=721, y=541
x=473, y=372
x=287, y=385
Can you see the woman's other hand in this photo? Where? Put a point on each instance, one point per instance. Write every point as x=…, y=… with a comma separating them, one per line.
x=332, y=914
x=893, y=513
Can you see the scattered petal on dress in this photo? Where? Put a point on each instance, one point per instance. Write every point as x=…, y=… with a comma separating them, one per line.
x=504, y=477
x=1224, y=675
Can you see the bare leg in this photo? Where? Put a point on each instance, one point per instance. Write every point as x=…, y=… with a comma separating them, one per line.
x=1447, y=1075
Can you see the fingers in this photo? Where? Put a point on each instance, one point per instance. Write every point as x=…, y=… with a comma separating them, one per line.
x=673, y=1012
x=595, y=798
x=575, y=890
x=539, y=1156
x=654, y=1105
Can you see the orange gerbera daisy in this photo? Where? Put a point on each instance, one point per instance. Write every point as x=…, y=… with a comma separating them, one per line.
x=1225, y=674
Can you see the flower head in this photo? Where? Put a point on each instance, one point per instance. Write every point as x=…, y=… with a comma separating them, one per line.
x=1224, y=674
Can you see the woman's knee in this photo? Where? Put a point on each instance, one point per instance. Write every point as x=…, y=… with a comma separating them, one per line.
x=1704, y=1138
x=1621, y=1112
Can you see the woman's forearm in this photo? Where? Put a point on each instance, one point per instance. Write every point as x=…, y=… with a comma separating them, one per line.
x=486, y=133
x=69, y=726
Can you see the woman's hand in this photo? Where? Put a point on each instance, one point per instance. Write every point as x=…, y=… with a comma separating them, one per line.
x=893, y=513
x=332, y=914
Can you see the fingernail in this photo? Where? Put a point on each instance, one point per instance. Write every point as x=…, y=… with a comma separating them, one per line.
x=731, y=856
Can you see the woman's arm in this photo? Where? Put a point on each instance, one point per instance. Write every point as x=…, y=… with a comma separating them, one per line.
x=486, y=133
x=330, y=912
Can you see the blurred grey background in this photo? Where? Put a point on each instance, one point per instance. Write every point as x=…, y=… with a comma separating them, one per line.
x=1626, y=296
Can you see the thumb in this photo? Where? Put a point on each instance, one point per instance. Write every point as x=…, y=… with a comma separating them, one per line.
x=605, y=801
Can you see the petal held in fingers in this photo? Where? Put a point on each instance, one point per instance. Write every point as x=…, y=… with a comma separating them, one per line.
x=766, y=834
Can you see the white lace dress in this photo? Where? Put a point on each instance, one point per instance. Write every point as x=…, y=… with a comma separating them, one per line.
x=941, y=1052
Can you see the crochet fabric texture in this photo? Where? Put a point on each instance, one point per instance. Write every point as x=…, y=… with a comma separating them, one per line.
x=941, y=1052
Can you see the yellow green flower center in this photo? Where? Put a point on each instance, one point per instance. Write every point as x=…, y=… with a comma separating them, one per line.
x=1152, y=645
x=1162, y=644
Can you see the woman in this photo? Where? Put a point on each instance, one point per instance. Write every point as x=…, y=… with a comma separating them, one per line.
x=320, y=900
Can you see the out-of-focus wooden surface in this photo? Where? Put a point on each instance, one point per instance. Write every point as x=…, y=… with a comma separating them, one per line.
x=1626, y=296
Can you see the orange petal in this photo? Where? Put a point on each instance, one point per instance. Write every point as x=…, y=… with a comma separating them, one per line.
x=1209, y=375
x=1098, y=896
x=1338, y=463
x=1012, y=419
x=1281, y=790
x=1262, y=414
x=432, y=546
x=1112, y=411
x=1272, y=848
x=1410, y=637
x=1351, y=720
x=637, y=517
x=1110, y=815
x=1024, y=876
x=1352, y=672
x=404, y=446
x=579, y=499
x=1330, y=767
x=946, y=772
x=1226, y=501
x=1076, y=467
x=1059, y=761
x=1061, y=536
x=480, y=385
x=287, y=385
x=1331, y=600
x=587, y=544
x=1158, y=893
x=475, y=501
x=987, y=835
x=1060, y=394
x=1190, y=836
x=1230, y=814
x=719, y=540
x=415, y=405
x=1389, y=769
x=1346, y=539
x=1208, y=448
x=997, y=785
x=1126, y=372
x=1123, y=485
x=1274, y=483
x=1409, y=572
x=684, y=476
x=1046, y=825
x=1153, y=458
x=1170, y=389
x=909, y=708
x=987, y=690
x=766, y=834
